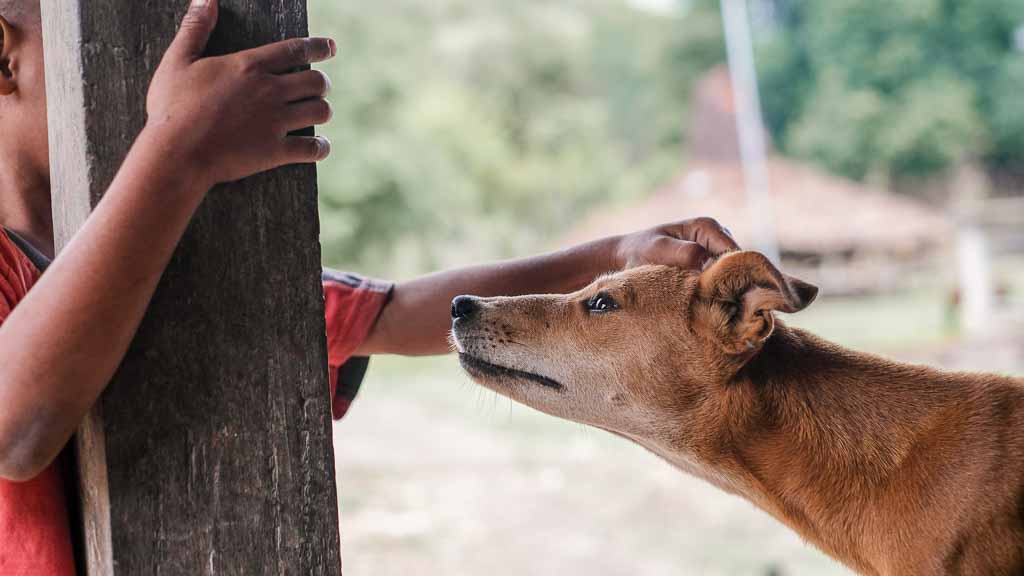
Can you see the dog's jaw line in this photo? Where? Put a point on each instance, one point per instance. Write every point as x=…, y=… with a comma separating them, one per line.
x=475, y=365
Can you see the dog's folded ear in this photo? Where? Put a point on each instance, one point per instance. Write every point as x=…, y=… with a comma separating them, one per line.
x=743, y=289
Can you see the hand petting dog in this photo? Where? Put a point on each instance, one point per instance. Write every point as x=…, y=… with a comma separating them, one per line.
x=416, y=320
x=688, y=244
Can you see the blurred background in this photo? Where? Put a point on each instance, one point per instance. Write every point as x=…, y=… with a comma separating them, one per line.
x=877, y=147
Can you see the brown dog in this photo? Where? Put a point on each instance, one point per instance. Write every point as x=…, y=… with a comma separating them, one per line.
x=888, y=467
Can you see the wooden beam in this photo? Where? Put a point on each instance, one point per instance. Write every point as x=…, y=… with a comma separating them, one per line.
x=210, y=452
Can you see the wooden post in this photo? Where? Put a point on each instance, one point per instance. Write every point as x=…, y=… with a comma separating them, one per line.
x=210, y=452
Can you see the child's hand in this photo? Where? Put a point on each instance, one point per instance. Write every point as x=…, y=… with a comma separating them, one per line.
x=687, y=244
x=229, y=116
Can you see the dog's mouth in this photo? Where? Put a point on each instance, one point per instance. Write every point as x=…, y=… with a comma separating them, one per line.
x=476, y=366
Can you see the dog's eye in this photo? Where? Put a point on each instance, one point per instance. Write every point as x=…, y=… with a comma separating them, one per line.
x=602, y=303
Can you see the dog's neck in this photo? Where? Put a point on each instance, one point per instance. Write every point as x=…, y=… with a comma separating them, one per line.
x=828, y=440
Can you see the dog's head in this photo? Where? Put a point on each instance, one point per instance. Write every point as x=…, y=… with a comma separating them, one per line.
x=630, y=346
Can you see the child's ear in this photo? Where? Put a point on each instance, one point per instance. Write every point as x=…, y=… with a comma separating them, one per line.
x=7, y=84
x=743, y=290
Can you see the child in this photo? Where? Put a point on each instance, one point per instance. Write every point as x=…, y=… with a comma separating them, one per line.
x=63, y=333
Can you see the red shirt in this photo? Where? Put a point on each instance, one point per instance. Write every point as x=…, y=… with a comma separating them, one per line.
x=35, y=537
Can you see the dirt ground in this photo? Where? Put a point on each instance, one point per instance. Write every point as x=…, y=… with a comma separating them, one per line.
x=438, y=476
x=468, y=484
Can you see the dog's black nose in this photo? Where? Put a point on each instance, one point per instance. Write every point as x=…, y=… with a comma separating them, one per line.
x=464, y=307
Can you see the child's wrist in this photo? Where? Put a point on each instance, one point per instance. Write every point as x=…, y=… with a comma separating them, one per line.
x=175, y=149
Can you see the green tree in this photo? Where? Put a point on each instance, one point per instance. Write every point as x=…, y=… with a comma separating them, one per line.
x=471, y=129
x=897, y=89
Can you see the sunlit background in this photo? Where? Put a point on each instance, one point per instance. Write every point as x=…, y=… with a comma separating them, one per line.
x=472, y=130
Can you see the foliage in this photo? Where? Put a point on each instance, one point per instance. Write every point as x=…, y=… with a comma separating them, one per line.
x=896, y=89
x=1007, y=112
x=472, y=129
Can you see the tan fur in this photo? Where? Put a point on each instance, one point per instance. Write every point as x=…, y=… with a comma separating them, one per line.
x=893, y=469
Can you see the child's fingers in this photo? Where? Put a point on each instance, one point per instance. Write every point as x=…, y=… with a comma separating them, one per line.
x=307, y=113
x=681, y=253
x=305, y=149
x=704, y=231
x=280, y=57
x=194, y=34
x=304, y=85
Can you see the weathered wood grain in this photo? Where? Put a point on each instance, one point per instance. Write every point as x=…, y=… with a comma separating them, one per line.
x=210, y=452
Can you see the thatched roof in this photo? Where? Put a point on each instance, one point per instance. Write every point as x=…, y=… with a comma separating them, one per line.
x=814, y=212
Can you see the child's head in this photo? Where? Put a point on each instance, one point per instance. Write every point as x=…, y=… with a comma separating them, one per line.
x=23, y=137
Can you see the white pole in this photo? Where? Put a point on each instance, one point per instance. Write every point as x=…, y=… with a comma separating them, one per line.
x=975, y=280
x=750, y=125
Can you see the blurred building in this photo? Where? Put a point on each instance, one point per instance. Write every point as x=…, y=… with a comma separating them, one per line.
x=847, y=236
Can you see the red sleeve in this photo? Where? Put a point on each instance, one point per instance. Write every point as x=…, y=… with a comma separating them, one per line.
x=17, y=275
x=353, y=304
x=34, y=537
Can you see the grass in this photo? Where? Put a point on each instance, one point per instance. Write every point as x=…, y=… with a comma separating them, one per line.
x=886, y=324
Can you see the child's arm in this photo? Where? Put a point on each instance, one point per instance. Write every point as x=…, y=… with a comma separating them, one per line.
x=211, y=120
x=416, y=321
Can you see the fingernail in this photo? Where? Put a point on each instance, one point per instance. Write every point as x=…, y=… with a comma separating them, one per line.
x=323, y=147
x=334, y=47
x=200, y=3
